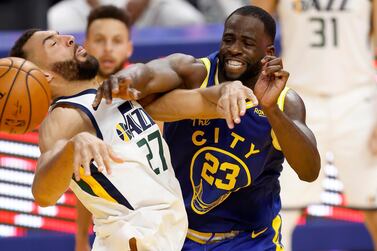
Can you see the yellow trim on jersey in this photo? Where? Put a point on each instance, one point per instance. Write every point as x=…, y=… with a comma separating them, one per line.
x=280, y=102
x=207, y=64
x=208, y=238
x=276, y=225
x=96, y=187
x=281, y=99
x=249, y=105
x=217, y=73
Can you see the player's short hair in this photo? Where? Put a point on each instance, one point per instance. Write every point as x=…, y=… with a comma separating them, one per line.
x=109, y=11
x=18, y=48
x=259, y=13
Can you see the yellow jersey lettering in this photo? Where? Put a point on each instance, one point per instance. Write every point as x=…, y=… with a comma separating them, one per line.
x=203, y=122
x=231, y=177
x=252, y=151
x=217, y=130
x=196, y=140
x=236, y=139
x=212, y=168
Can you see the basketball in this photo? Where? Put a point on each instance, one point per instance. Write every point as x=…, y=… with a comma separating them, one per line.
x=24, y=95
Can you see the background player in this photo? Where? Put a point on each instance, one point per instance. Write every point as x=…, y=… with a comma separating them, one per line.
x=229, y=178
x=326, y=45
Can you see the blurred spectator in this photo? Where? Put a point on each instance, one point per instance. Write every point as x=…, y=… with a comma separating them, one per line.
x=71, y=15
x=326, y=46
x=216, y=11
x=21, y=15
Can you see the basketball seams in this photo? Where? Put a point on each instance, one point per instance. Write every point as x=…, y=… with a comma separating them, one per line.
x=10, y=90
x=9, y=67
x=30, y=104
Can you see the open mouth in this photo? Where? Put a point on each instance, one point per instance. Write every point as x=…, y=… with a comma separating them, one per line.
x=234, y=65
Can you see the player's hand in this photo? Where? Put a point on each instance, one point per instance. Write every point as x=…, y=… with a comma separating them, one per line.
x=271, y=81
x=88, y=147
x=373, y=141
x=232, y=103
x=119, y=86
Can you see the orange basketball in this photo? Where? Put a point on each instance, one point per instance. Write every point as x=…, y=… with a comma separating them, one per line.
x=24, y=95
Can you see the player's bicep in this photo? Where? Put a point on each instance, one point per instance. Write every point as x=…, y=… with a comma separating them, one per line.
x=190, y=70
x=294, y=108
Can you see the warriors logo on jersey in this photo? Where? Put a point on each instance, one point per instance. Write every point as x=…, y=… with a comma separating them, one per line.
x=213, y=181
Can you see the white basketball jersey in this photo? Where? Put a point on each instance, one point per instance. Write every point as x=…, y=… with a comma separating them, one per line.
x=141, y=198
x=326, y=45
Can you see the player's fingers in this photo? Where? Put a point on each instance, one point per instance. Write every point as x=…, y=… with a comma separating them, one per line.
x=98, y=97
x=134, y=94
x=234, y=111
x=242, y=106
x=275, y=61
x=99, y=161
x=107, y=93
x=76, y=167
x=272, y=69
x=114, y=84
x=251, y=96
x=85, y=161
x=267, y=58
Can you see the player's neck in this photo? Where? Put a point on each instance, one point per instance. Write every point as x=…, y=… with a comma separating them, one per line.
x=69, y=88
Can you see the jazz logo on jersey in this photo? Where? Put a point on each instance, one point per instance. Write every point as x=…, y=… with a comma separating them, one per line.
x=135, y=121
x=215, y=174
x=319, y=5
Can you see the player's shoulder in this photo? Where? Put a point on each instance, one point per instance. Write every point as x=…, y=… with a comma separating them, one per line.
x=62, y=122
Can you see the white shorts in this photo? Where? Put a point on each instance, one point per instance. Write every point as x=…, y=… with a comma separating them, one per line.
x=342, y=125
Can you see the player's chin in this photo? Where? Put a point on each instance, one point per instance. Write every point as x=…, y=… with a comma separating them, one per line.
x=106, y=72
x=232, y=76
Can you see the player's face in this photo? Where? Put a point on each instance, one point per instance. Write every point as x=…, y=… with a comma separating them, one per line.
x=60, y=54
x=108, y=40
x=243, y=45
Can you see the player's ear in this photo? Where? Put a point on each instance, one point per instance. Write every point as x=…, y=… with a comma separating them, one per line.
x=270, y=50
x=48, y=76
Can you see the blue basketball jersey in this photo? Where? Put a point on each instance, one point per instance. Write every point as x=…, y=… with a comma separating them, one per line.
x=229, y=178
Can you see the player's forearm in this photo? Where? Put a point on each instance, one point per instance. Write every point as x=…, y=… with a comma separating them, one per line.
x=297, y=143
x=53, y=175
x=185, y=104
x=154, y=77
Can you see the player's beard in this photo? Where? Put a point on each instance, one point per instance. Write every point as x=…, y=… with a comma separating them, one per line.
x=73, y=69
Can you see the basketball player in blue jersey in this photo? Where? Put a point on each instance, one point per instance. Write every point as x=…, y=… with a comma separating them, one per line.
x=229, y=177
x=137, y=204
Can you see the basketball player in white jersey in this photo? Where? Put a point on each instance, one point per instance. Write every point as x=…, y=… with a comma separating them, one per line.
x=130, y=186
x=326, y=46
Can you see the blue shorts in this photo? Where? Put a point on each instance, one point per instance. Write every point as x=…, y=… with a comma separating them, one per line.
x=266, y=239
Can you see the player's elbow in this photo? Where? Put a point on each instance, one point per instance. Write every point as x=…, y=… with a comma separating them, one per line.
x=312, y=171
x=43, y=198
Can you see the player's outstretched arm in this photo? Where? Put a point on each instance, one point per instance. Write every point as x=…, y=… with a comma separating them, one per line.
x=66, y=145
x=227, y=100
x=157, y=76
